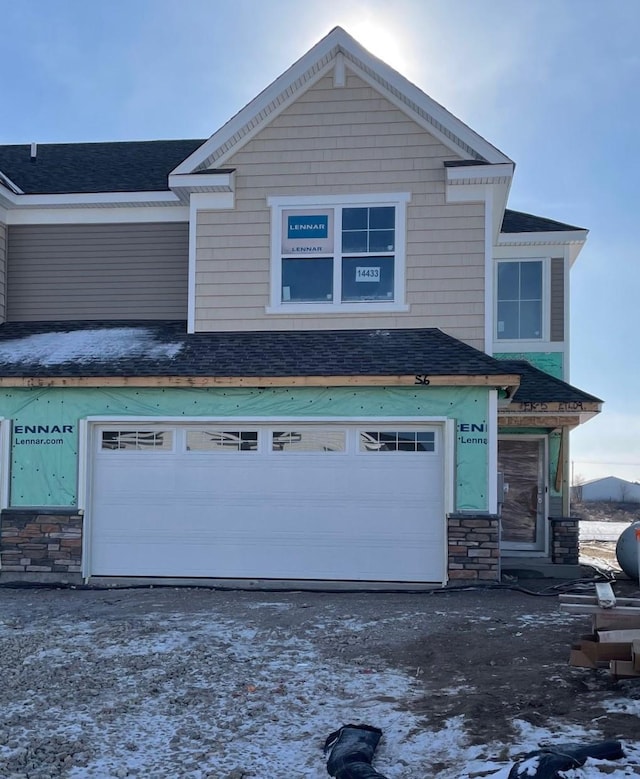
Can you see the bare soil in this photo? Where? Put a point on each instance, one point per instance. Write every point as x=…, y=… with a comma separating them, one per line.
x=487, y=656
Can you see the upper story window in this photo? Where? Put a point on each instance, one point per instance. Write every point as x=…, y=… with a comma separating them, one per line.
x=520, y=300
x=344, y=253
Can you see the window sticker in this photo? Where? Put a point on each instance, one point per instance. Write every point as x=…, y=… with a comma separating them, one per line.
x=307, y=232
x=368, y=274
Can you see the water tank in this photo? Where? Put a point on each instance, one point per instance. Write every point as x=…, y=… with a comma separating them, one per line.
x=627, y=550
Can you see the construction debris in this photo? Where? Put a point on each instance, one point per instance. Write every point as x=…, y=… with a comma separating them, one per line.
x=615, y=640
x=352, y=749
x=547, y=763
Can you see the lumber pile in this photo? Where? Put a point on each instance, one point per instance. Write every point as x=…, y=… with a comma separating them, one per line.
x=615, y=640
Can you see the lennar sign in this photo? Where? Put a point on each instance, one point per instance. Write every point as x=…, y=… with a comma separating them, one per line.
x=308, y=226
x=307, y=232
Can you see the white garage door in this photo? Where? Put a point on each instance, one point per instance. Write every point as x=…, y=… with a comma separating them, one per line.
x=285, y=502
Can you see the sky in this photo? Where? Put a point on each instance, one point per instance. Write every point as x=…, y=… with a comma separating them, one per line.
x=554, y=84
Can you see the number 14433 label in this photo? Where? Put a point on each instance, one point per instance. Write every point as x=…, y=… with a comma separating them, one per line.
x=367, y=274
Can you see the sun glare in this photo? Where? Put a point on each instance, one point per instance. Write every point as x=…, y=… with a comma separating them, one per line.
x=382, y=40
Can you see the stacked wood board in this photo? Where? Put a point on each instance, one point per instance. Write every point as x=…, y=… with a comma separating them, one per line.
x=615, y=640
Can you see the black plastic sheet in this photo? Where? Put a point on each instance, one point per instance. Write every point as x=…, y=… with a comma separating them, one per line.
x=548, y=762
x=352, y=749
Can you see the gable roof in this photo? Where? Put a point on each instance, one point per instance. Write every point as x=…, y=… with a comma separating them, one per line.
x=118, y=166
x=334, y=53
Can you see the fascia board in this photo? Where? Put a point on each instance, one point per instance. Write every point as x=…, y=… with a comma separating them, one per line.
x=286, y=88
x=5, y=181
x=431, y=116
x=97, y=199
x=199, y=180
x=105, y=215
x=559, y=237
x=212, y=201
x=574, y=251
x=283, y=91
x=479, y=174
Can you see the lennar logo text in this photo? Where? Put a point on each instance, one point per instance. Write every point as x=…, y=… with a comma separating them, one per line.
x=307, y=226
x=24, y=429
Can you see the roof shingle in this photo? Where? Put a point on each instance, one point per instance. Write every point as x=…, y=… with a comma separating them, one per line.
x=63, y=168
x=154, y=348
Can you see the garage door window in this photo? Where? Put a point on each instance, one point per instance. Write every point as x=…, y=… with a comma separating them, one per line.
x=308, y=441
x=137, y=440
x=397, y=441
x=222, y=440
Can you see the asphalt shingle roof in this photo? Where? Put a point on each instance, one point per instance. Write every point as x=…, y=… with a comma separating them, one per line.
x=519, y=222
x=536, y=386
x=127, y=166
x=135, y=348
x=150, y=348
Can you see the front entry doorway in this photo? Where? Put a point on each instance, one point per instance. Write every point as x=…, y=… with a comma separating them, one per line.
x=522, y=462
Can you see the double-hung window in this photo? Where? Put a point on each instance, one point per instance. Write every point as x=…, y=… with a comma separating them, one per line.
x=343, y=252
x=520, y=300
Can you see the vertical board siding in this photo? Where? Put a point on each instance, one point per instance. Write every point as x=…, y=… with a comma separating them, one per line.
x=557, y=300
x=111, y=271
x=343, y=141
x=3, y=272
x=555, y=506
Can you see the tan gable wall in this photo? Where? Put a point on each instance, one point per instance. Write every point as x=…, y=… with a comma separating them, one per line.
x=332, y=141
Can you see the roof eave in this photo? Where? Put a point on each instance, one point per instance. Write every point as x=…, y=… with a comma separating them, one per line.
x=566, y=237
x=510, y=382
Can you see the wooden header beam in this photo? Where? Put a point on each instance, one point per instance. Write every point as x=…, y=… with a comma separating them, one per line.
x=510, y=381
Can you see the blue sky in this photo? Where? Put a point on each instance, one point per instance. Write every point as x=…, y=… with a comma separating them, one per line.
x=552, y=83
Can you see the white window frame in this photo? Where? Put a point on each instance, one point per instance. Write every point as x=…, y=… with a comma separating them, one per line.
x=546, y=302
x=398, y=200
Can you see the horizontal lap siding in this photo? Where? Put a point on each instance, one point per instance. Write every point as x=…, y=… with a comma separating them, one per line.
x=343, y=141
x=557, y=299
x=3, y=272
x=113, y=271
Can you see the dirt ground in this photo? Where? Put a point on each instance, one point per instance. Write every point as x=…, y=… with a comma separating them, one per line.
x=156, y=682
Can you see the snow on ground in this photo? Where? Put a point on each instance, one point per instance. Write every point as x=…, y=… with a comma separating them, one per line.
x=191, y=697
x=593, y=530
x=85, y=346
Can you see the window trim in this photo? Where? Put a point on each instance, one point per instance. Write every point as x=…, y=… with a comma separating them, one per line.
x=277, y=205
x=546, y=303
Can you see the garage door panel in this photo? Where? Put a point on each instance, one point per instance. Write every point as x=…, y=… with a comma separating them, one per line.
x=240, y=557
x=269, y=512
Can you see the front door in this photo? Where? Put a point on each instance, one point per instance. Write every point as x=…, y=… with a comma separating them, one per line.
x=522, y=462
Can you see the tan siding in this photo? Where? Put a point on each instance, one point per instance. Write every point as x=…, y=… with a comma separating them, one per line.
x=114, y=271
x=557, y=299
x=3, y=272
x=343, y=141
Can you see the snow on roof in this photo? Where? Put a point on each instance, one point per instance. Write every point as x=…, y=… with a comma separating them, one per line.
x=86, y=346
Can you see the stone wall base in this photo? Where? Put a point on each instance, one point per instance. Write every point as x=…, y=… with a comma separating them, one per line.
x=35, y=542
x=565, y=540
x=474, y=548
